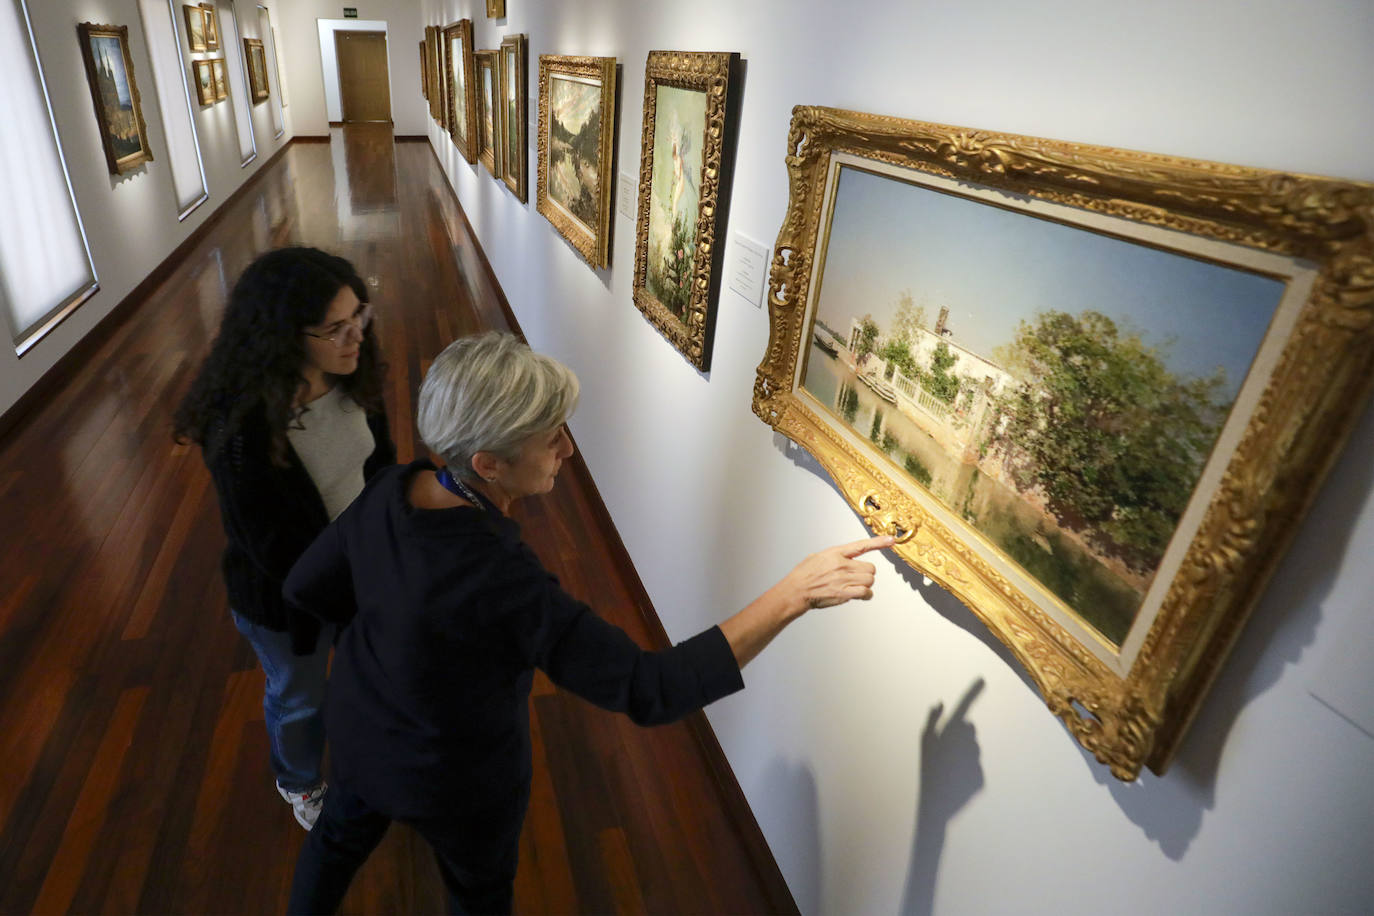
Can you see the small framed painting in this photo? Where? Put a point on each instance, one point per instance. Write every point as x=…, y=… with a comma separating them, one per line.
x=488, y=111
x=118, y=112
x=424, y=72
x=685, y=163
x=221, y=79
x=211, y=26
x=576, y=150
x=514, y=115
x=204, y=73
x=458, y=78
x=496, y=9
x=257, y=68
x=195, y=27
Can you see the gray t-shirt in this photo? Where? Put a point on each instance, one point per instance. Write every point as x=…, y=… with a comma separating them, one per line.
x=333, y=446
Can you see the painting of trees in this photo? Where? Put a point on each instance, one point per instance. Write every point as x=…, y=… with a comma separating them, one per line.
x=1100, y=425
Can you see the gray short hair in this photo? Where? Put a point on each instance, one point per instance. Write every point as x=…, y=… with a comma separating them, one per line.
x=489, y=393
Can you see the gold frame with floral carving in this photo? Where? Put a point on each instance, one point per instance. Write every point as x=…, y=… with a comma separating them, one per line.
x=1305, y=390
x=255, y=61
x=461, y=32
x=591, y=237
x=487, y=90
x=707, y=73
x=515, y=115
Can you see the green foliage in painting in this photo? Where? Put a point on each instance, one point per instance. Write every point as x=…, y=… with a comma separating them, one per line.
x=1106, y=431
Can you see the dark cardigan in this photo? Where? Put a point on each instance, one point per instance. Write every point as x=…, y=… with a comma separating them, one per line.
x=270, y=515
x=445, y=614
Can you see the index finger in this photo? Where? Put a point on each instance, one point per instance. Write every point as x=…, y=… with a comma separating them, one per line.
x=859, y=548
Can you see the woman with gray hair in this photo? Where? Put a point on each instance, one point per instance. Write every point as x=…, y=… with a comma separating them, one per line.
x=445, y=613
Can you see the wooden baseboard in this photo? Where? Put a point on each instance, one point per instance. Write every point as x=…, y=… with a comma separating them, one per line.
x=411, y=138
x=310, y=138
x=732, y=796
x=60, y=371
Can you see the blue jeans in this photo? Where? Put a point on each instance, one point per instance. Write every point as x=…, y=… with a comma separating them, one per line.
x=293, y=703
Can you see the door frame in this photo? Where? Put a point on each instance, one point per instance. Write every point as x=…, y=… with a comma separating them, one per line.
x=329, y=62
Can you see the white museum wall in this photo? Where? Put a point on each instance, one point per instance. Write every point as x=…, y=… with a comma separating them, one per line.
x=1268, y=806
x=130, y=219
x=302, y=65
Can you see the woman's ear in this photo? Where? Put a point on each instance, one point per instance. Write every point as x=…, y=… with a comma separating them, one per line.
x=486, y=465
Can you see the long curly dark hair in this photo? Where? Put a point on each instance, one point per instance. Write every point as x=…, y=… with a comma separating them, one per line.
x=256, y=358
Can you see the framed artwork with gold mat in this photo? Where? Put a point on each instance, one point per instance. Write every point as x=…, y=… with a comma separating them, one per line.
x=1091, y=390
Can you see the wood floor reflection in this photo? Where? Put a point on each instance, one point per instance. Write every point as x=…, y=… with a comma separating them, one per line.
x=133, y=762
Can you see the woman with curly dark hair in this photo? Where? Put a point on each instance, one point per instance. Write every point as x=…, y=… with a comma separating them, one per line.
x=288, y=412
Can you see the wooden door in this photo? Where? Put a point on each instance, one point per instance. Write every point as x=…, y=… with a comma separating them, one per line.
x=364, y=88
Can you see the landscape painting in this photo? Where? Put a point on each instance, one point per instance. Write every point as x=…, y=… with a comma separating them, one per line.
x=221, y=79
x=1090, y=391
x=1062, y=403
x=110, y=73
x=575, y=146
x=205, y=81
x=514, y=115
x=460, y=98
x=195, y=27
x=487, y=111
x=576, y=142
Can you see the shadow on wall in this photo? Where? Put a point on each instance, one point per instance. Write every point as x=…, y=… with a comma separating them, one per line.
x=1282, y=627
x=1169, y=810
x=950, y=776
x=791, y=788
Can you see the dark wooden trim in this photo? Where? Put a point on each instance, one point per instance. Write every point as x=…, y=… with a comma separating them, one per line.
x=411, y=138
x=336, y=124
x=310, y=138
x=60, y=371
x=732, y=796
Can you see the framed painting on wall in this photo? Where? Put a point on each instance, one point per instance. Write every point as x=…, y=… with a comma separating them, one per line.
x=221, y=79
x=496, y=9
x=204, y=74
x=257, y=69
x=1090, y=390
x=686, y=155
x=424, y=73
x=211, y=17
x=514, y=115
x=195, y=27
x=489, y=110
x=114, y=91
x=432, y=38
x=576, y=150
x=459, y=79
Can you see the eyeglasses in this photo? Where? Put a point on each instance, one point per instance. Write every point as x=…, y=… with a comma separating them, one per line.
x=337, y=333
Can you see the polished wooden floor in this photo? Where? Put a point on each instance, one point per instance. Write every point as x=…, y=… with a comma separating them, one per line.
x=134, y=771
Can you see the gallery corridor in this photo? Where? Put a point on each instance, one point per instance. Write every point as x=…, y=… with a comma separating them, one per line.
x=134, y=771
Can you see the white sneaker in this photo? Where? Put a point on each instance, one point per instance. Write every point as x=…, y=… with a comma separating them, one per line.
x=306, y=805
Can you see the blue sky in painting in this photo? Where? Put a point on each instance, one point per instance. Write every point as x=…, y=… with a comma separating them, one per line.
x=107, y=51
x=994, y=267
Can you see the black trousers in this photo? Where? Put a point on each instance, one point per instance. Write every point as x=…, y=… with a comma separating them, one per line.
x=477, y=865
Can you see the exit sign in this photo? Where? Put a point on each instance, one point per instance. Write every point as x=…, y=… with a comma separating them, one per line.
x=350, y=12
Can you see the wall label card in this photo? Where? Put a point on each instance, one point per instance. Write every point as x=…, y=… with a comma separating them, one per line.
x=749, y=265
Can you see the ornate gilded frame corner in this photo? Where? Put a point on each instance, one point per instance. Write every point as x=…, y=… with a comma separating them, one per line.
x=591, y=241
x=118, y=165
x=710, y=74
x=515, y=162
x=488, y=62
x=460, y=31
x=1132, y=711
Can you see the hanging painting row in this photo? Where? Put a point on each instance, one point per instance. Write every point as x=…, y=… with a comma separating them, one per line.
x=114, y=88
x=1089, y=390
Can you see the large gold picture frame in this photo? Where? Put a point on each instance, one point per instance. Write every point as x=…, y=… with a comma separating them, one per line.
x=256, y=58
x=432, y=38
x=114, y=93
x=576, y=152
x=686, y=154
x=1297, y=253
x=515, y=116
x=459, y=70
